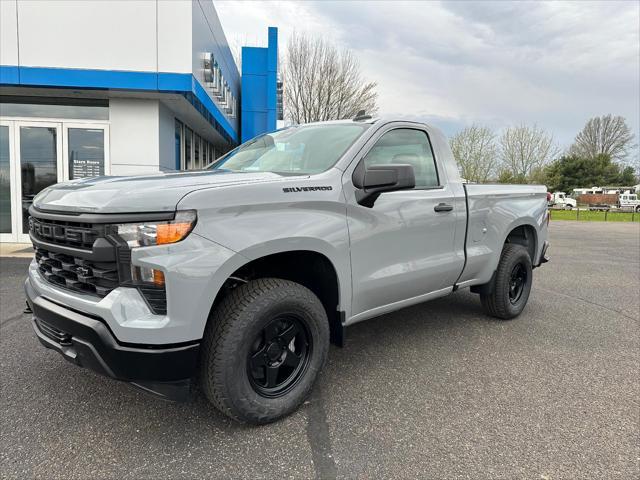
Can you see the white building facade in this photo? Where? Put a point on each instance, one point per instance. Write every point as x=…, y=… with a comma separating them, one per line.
x=109, y=88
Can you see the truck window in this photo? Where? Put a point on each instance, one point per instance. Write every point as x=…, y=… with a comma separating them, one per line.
x=406, y=146
x=305, y=149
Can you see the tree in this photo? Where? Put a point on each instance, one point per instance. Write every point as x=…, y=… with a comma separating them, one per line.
x=572, y=171
x=476, y=152
x=321, y=83
x=604, y=135
x=524, y=149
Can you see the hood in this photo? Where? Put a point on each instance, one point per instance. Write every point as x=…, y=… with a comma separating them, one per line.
x=152, y=193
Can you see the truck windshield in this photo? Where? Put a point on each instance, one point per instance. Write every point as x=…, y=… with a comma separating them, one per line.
x=302, y=150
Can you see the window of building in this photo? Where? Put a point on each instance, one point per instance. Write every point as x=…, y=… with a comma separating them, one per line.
x=178, y=145
x=188, y=144
x=406, y=146
x=212, y=153
x=83, y=109
x=197, y=150
x=86, y=152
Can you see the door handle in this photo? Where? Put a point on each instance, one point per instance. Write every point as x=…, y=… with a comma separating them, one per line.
x=443, y=207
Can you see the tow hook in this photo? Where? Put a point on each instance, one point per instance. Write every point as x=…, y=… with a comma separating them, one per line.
x=27, y=308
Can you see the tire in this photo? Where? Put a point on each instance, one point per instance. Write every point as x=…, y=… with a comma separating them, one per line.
x=247, y=338
x=638, y=209
x=568, y=207
x=504, y=302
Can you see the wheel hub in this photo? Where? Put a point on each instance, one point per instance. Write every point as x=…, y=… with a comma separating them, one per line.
x=517, y=282
x=279, y=356
x=274, y=351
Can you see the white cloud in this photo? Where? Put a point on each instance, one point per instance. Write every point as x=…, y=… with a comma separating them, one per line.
x=551, y=63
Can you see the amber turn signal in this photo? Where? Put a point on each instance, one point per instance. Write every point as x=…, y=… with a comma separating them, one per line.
x=172, y=232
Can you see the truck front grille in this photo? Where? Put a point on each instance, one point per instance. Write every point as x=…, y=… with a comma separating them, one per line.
x=76, y=273
x=87, y=258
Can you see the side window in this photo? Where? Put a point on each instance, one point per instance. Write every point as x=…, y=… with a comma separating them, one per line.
x=406, y=146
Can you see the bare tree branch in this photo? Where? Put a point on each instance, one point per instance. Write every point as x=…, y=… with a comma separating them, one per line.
x=322, y=83
x=525, y=149
x=605, y=134
x=476, y=152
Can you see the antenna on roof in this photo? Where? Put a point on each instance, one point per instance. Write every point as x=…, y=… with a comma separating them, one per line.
x=361, y=115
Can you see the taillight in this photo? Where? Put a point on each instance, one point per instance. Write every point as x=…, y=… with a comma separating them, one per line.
x=548, y=196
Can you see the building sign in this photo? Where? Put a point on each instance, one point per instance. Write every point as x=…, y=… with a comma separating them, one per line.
x=217, y=85
x=84, y=168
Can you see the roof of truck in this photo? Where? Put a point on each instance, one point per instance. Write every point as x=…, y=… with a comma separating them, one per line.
x=383, y=119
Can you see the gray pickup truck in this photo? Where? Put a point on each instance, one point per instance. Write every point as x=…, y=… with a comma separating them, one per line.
x=239, y=276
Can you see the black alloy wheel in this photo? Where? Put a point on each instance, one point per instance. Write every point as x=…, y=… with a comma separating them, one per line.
x=279, y=356
x=517, y=283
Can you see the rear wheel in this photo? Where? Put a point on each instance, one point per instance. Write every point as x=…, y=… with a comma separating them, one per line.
x=262, y=350
x=512, y=284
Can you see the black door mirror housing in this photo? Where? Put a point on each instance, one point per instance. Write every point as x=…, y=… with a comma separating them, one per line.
x=377, y=179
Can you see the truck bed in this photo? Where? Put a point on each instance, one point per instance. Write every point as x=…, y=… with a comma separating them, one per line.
x=493, y=212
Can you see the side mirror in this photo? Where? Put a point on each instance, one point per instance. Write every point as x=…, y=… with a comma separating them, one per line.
x=377, y=179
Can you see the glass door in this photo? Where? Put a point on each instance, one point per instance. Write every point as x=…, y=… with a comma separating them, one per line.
x=7, y=184
x=39, y=153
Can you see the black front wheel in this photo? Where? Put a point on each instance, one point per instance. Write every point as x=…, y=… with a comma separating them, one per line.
x=512, y=284
x=262, y=350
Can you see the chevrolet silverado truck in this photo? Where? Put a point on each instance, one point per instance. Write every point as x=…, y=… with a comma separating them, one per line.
x=239, y=276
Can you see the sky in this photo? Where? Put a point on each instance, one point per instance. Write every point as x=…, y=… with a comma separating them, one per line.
x=453, y=64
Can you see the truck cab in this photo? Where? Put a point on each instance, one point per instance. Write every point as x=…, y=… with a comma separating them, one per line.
x=561, y=200
x=628, y=201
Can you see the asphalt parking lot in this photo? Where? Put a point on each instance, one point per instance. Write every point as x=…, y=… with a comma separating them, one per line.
x=434, y=391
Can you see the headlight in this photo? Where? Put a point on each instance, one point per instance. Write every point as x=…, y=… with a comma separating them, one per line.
x=147, y=234
x=157, y=233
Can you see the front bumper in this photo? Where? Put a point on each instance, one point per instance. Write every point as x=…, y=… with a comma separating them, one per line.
x=164, y=370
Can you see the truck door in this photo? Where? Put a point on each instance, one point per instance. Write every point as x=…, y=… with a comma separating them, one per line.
x=404, y=246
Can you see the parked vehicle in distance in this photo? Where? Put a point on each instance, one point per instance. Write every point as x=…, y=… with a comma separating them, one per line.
x=628, y=201
x=607, y=201
x=561, y=200
x=241, y=274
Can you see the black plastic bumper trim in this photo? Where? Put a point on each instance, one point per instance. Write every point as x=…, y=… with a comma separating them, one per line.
x=163, y=371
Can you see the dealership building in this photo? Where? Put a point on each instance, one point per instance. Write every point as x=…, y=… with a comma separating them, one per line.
x=121, y=88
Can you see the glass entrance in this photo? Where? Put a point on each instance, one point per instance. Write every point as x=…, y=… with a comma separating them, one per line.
x=35, y=155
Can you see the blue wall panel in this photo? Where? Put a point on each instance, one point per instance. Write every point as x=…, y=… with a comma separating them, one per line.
x=259, y=83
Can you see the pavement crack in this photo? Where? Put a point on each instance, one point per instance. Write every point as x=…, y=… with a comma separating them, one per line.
x=318, y=438
x=619, y=312
x=11, y=320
